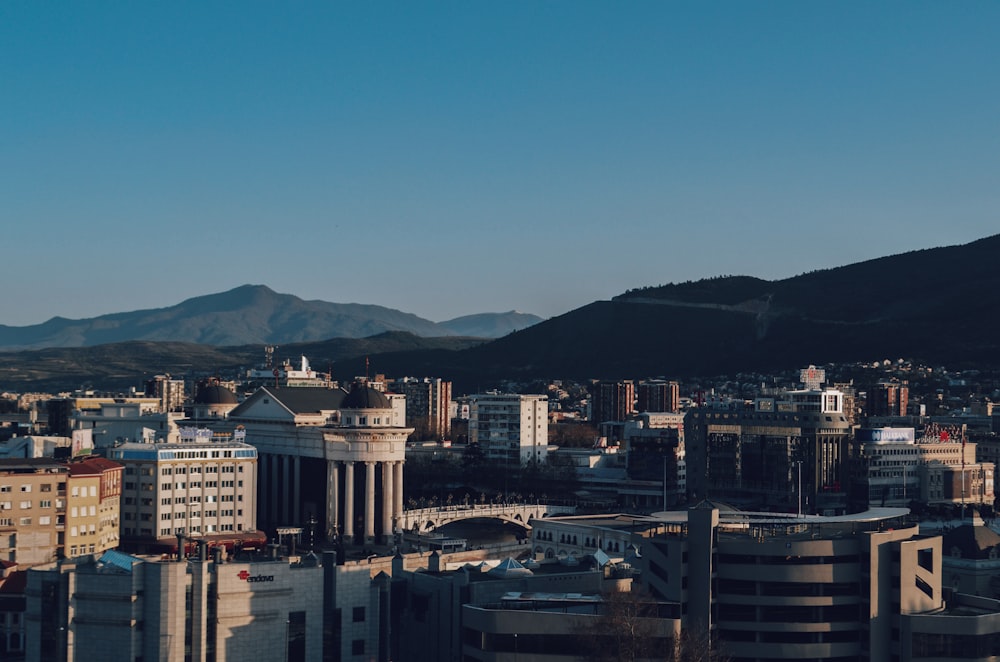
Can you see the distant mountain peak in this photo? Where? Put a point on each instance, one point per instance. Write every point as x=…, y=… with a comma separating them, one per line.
x=491, y=325
x=246, y=315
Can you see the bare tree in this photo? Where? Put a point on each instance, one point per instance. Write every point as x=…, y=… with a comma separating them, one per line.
x=628, y=630
x=635, y=628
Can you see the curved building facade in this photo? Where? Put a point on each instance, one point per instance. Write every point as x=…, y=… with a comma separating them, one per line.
x=796, y=588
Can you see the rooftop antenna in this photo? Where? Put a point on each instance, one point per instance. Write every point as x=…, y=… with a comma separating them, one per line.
x=367, y=363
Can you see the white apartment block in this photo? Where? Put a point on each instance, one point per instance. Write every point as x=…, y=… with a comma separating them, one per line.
x=510, y=425
x=190, y=488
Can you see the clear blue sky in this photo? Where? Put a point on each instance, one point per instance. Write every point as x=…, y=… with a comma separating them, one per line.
x=446, y=158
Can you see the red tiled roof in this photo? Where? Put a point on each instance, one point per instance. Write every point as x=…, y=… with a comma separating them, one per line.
x=15, y=583
x=91, y=466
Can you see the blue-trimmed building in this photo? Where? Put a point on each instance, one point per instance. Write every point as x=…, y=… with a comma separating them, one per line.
x=205, y=489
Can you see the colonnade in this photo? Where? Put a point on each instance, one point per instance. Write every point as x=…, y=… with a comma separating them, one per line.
x=281, y=497
x=340, y=516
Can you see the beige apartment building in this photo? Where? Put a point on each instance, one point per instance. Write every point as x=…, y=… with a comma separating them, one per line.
x=51, y=509
x=32, y=510
x=92, y=506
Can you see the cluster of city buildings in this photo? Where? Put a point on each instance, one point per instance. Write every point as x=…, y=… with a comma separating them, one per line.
x=273, y=524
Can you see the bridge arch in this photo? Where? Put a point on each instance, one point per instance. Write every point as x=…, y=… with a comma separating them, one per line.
x=426, y=519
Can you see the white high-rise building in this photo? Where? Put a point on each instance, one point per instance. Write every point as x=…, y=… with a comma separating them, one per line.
x=510, y=425
x=192, y=488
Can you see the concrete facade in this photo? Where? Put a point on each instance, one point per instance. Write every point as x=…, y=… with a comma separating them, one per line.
x=192, y=488
x=510, y=426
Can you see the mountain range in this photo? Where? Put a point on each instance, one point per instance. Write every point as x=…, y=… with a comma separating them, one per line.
x=252, y=314
x=938, y=305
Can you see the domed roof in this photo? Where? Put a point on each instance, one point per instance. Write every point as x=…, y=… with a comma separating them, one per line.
x=364, y=397
x=215, y=395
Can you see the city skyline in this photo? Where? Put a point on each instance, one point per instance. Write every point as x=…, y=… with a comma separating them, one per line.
x=453, y=159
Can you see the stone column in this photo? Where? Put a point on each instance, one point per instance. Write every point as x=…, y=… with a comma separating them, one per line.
x=369, y=501
x=286, y=509
x=274, y=492
x=297, y=490
x=332, y=474
x=261, y=483
x=387, y=504
x=397, y=492
x=349, y=502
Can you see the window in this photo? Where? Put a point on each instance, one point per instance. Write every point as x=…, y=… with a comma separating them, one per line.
x=44, y=521
x=25, y=505
x=73, y=531
x=358, y=647
x=4, y=488
x=75, y=491
x=45, y=503
x=26, y=488
x=47, y=487
x=359, y=614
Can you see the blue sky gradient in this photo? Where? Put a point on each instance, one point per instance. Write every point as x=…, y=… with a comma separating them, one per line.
x=449, y=158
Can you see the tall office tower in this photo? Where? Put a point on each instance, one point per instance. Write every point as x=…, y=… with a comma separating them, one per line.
x=888, y=398
x=170, y=392
x=510, y=426
x=427, y=404
x=787, y=452
x=612, y=401
x=659, y=396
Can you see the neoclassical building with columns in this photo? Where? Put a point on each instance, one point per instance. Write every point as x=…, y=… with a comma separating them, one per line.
x=330, y=461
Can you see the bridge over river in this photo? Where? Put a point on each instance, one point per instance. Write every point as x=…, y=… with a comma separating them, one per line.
x=428, y=519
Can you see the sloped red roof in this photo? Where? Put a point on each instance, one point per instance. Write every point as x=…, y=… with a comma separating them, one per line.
x=91, y=466
x=14, y=583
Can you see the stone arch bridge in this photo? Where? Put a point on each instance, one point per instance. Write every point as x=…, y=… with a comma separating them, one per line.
x=422, y=520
